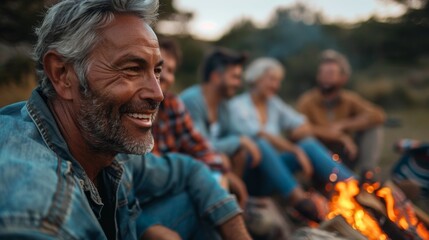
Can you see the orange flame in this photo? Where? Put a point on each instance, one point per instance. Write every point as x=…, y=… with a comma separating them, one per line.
x=405, y=216
x=400, y=212
x=344, y=203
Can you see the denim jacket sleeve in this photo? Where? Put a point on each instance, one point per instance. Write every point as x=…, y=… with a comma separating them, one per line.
x=174, y=173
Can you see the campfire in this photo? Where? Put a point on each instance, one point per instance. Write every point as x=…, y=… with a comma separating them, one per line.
x=374, y=212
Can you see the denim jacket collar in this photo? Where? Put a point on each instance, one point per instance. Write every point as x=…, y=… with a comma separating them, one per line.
x=42, y=117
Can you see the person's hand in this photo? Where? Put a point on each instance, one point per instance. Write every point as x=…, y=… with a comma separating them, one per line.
x=350, y=146
x=238, y=162
x=226, y=163
x=336, y=129
x=406, y=144
x=234, y=229
x=305, y=163
x=224, y=182
x=250, y=146
x=158, y=232
x=237, y=187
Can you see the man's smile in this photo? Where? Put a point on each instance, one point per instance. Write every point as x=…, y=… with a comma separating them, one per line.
x=142, y=119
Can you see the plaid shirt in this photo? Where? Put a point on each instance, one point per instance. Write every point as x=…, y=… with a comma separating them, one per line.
x=174, y=131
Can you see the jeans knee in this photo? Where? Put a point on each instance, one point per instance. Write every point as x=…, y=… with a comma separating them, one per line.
x=309, y=143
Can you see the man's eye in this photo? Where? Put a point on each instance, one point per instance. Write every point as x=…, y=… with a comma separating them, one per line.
x=133, y=69
x=158, y=71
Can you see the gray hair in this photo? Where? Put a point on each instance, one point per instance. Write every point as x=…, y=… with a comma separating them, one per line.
x=259, y=66
x=71, y=28
x=338, y=58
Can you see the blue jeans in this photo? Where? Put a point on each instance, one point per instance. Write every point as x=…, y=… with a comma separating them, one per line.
x=322, y=162
x=274, y=175
x=176, y=212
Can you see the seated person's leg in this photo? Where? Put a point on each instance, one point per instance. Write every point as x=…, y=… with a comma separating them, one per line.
x=273, y=177
x=176, y=213
x=291, y=162
x=322, y=162
x=270, y=176
x=370, y=143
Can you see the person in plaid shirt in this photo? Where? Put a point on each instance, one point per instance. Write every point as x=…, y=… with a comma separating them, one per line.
x=173, y=130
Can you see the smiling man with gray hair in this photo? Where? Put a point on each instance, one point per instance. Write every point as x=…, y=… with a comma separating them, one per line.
x=74, y=161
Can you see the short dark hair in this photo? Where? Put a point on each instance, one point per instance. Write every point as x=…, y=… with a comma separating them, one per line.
x=218, y=59
x=171, y=47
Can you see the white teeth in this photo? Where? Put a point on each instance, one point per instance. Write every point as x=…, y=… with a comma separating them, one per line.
x=147, y=117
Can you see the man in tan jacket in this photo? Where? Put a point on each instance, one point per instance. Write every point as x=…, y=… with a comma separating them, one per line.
x=347, y=124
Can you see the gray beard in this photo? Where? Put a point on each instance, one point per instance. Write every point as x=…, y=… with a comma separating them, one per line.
x=102, y=128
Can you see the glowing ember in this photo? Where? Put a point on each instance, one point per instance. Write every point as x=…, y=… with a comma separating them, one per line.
x=344, y=203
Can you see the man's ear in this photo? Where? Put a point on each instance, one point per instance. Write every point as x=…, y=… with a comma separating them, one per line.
x=59, y=73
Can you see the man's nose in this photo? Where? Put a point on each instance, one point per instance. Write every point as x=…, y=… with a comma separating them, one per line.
x=152, y=90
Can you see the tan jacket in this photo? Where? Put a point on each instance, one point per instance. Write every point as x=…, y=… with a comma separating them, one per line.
x=349, y=105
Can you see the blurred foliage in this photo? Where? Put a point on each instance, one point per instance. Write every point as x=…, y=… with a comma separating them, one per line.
x=18, y=18
x=14, y=69
x=389, y=56
x=392, y=49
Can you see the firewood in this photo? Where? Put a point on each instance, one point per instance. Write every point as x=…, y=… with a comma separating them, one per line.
x=366, y=199
x=339, y=225
x=420, y=214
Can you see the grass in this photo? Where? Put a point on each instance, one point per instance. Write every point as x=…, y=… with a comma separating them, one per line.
x=414, y=125
x=12, y=92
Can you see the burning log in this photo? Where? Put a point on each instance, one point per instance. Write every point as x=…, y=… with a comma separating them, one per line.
x=377, y=213
x=345, y=204
x=420, y=214
x=392, y=230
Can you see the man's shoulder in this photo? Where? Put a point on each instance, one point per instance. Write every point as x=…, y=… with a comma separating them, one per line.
x=27, y=166
x=19, y=137
x=191, y=93
x=350, y=95
x=239, y=99
x=193, y=99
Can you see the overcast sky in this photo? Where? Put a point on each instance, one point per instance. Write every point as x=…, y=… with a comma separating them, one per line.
x=213, y=17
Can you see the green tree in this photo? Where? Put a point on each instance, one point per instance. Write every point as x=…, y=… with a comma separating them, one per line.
x=18, y=18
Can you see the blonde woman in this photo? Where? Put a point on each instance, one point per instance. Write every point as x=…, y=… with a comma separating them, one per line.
x=283, y=136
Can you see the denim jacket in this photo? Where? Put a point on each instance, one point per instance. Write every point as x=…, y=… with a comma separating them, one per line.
x=45, y=193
